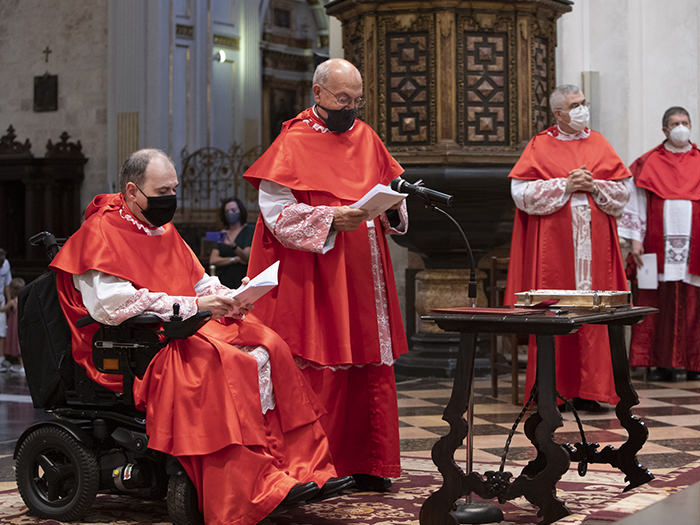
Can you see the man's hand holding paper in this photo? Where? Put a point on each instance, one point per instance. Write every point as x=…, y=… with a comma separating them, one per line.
x=378, y=200
x=347, y=219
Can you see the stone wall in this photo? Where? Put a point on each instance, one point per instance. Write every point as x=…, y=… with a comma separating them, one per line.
x=645, y=53
x=76, y=33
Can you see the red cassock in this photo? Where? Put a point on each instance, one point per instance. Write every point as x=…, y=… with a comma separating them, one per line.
x=670, y=339
x=324, y=306
x=542, y=257
x=201, y=394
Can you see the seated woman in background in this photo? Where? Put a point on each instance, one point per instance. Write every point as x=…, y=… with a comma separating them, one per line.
x=231, y=256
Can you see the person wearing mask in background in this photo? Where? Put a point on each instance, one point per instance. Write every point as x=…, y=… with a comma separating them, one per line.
x=230, y=256
x=5, y=278
x=663, y=218
x=568, y=189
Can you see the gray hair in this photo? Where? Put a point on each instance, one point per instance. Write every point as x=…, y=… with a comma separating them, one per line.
x=322, y=72
x=673, y=110
x=558, y=96
x=134, y=168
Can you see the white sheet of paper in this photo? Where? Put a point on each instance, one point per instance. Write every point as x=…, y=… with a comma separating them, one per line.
x=647, y=276
x=378, y=200
x=258, y=285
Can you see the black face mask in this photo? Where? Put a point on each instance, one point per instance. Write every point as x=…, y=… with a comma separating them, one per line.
x=339, y=120
x=159, y=210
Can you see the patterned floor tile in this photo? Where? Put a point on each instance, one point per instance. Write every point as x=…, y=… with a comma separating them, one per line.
x=670, y=410
x=414, y=402
x=418, y=432
x=430, y=410
x=685, y=445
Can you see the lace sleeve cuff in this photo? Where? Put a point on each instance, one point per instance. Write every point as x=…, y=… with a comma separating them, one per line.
x=303, y=227
x=612, y=196
x=402, y=227
x=111, y=300
x=539, y=197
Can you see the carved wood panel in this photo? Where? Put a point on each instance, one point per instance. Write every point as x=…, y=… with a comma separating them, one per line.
x=540, y=84
x=486, y=81
x=408, y=79
x=352, y=42
x=406, y=84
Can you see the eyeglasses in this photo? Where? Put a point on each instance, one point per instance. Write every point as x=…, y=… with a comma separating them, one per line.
x=345, y=100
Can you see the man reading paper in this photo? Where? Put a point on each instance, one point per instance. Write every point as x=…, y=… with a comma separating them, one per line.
x=336, y=304
x=226, y=401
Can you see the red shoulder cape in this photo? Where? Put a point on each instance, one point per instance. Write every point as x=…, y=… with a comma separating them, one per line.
x=668, y=175
x=546, y=157
x=324, y=306
x=304, y=157
x=542, y=249
x=191, y=382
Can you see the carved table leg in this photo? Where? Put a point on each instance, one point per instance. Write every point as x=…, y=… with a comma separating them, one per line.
x=436, y=510
x=538, y=480
x=625, y=458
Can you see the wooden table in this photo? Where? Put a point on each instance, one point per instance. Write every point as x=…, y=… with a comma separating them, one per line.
x=537, y=481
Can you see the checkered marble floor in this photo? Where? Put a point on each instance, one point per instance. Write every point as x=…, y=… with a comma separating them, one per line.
x=671, y=411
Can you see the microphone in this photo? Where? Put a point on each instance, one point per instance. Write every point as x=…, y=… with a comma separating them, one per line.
x=417, y=189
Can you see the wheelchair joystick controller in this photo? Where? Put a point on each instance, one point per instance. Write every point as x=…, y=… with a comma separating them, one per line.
x=176, y=313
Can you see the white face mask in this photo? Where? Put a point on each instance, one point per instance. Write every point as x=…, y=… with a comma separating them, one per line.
x=679, y=136
x=579, y=118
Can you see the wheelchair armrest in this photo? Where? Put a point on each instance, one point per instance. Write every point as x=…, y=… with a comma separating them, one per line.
x=84, y=321
x=136, y=320
x=142, y=319
x=187, y=327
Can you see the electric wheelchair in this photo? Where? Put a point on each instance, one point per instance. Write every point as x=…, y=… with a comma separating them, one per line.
x=95, y=439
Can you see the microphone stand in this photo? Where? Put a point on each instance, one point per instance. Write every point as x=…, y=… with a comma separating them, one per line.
x=469, y=511
x=471, y=287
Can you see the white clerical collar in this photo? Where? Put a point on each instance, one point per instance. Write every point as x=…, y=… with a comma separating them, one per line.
x=674, y=149
x=125, y=214
x=560, y=134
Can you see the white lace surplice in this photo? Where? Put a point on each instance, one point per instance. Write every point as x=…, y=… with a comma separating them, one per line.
x=308, y=228
x=543, y=197
x=111, y=300
x=677, y=229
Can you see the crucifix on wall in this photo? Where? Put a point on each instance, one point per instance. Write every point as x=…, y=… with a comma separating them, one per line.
x=46, y=88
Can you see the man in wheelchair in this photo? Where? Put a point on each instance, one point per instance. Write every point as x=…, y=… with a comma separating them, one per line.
x=228, y=402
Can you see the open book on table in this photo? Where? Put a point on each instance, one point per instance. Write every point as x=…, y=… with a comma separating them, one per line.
x=258, y=285
x=378, y=200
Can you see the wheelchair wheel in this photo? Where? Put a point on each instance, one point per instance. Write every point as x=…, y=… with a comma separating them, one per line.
x=183, y=505
x=57, y=476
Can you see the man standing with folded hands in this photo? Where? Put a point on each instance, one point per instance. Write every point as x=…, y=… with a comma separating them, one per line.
x=568, y=190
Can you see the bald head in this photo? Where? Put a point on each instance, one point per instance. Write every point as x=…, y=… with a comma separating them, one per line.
x=134, y=168
x=337, y=85
x=328, y=70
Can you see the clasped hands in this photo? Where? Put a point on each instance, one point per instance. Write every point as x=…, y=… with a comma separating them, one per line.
x=221, y=305
x=581, y=179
